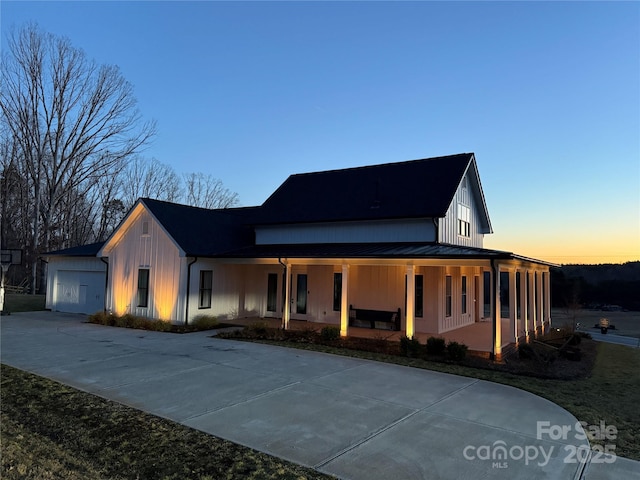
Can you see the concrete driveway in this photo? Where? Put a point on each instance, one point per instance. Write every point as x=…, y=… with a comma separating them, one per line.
x=351, y=418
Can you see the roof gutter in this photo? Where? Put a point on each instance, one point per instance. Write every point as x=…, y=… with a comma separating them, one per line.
x=186, y=308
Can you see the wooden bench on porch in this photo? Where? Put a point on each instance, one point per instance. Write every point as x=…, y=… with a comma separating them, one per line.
x=361, y=317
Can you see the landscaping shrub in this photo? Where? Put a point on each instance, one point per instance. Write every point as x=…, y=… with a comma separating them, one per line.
x=330, y=334
x=457, y=351
x=537, y=352
x=204, y=322
x=436, y=346
x=258, y=329
x=410, y=347
x=525, y=351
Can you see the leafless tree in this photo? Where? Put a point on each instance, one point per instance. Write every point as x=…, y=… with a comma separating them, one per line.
x=203, y=190
x=73, y=121
x=149, y=178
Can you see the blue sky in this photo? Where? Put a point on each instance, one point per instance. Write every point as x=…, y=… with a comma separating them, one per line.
x=547, y=95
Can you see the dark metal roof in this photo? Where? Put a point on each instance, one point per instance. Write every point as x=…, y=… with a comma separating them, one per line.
x=90, y=250
x=413, y=189
x=365, y=250
x=204, y=232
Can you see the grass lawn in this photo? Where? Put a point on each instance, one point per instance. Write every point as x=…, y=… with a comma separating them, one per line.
x=23, y=303
x=53, y=431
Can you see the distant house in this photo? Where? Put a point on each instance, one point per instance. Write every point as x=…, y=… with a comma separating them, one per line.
x=395, y=246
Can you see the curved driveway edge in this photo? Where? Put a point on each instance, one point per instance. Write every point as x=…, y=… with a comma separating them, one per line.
x=352, y=418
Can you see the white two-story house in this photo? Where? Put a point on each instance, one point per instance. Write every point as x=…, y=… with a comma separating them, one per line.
x=395, y=246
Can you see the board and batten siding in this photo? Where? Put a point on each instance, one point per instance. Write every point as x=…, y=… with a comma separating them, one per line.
x=405, y=230
x=146, y=245
x=448, y=231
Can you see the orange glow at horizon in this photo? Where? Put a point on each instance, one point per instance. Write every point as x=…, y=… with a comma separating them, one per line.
x=575, y=250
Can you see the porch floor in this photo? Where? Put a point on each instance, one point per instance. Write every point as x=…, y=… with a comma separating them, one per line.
x=477, y=336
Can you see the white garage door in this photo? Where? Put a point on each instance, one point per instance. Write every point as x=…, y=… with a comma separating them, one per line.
x=79, y=291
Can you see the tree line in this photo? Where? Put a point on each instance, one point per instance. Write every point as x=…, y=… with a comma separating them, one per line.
x=71, y=149
x=597, y=286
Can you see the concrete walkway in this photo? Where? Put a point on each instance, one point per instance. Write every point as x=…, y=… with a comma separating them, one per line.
x=351, y=418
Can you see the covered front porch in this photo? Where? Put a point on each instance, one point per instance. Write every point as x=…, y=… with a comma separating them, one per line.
x=483, y=298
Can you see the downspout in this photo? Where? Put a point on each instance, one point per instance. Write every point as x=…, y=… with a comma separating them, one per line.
x=186, y=309
x=106, y=283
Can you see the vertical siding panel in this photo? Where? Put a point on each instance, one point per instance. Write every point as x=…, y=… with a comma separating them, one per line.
x=449, y=225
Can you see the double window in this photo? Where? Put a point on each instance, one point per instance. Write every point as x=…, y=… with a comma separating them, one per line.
x=464, y=221
x=206, y=286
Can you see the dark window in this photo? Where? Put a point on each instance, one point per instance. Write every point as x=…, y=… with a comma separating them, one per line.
x=464, y=294
x=143, y=287
x=505, y=295
x=337, y=291
x=272, y=292
x=448, y=296
x=301, y=300
x=206, y=283
x=487, y=287
x=419, y=306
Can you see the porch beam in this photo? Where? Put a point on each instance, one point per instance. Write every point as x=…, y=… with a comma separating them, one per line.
x=344, y=302
x=411, y=298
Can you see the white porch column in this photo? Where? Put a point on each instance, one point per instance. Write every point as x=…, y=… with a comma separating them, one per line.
x=524, y=305
x=286, y=313
x=513, y=303
x=539, y=302
x=547, y=300
x=497, y=325
x=532, y=302
x=344, y=302
x=411, y=299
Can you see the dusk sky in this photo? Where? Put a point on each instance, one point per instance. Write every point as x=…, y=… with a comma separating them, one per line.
x=547, y=95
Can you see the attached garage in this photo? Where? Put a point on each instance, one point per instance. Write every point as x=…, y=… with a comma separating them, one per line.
x=76, y=280
x=78, y=291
